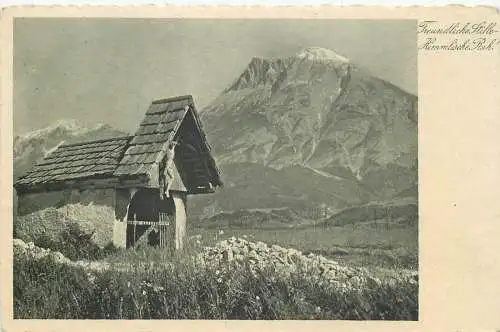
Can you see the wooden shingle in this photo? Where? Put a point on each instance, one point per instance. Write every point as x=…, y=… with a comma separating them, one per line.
x=77, y=161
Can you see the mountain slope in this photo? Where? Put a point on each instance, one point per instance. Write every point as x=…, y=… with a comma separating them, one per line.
x=252, y=185
x=317, y=110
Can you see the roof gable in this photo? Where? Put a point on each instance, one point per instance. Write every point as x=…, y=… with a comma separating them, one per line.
x=155, y=132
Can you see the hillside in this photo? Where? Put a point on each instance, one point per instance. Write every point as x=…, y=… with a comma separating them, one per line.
x=30, y=147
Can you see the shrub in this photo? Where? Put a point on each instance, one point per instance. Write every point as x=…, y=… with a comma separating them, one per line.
x=78, y=231
x=74, y=243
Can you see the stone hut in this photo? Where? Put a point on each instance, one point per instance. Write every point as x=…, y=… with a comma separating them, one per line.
x=129, y=175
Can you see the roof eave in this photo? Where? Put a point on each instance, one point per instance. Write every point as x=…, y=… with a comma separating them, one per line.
x=102, y=182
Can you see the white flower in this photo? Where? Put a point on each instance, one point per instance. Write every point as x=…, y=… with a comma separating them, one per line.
x=158, y=288
x=257, y=298
x=221, y=232
x=144, y=292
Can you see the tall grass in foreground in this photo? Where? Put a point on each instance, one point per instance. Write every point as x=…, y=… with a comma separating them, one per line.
x=185, y=290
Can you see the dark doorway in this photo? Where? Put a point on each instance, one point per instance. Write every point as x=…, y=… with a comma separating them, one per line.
x=143, y=215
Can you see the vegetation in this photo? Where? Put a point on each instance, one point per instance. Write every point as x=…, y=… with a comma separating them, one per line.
x=369, y=280
x=187, y=289
x=78, y=231
x=73, y=243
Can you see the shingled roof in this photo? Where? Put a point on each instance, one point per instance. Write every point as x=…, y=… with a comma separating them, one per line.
x=137, y=158
x=77, y=161
x=158, y=127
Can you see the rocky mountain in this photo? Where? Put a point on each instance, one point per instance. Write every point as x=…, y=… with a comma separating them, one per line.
x=31, y=147
x=318, y=112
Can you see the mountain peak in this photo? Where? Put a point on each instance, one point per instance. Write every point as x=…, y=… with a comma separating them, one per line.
x=273, y=71
x=64, y=127
x=69, y=125
x=321, y=54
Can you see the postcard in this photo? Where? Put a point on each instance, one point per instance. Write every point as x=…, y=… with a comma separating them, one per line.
x=230, y=168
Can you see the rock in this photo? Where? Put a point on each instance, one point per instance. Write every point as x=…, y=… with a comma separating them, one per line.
x=58, y=257
x=373, y=282
x=261, y=245
x=227, y=255
x=287, y=261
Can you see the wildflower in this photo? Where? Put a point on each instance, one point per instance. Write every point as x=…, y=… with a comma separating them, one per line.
x=217, y=272
x=318, y=310
x=144, y=292
x=257, y=298
x=128, y=284
x=158, y=289
x=219, y=280
x=221, y=232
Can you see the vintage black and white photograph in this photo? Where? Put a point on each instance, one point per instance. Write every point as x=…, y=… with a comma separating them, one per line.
x=221, y=169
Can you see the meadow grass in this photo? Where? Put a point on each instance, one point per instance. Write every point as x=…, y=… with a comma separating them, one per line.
x=185, y=290
x=154, y=283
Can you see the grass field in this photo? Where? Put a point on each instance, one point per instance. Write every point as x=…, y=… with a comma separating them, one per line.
x=385, y=245
x=46, y=290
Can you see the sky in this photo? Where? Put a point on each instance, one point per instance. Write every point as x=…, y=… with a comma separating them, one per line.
x=109, y=70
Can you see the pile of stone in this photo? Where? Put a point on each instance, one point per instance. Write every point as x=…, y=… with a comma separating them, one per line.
x=29, y=250
x=320, y=269
x=23, y=250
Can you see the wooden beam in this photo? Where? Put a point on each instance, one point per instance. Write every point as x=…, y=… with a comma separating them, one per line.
x=180, y=218
x=192, y=160
x=202, y=190
x=86, y=183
